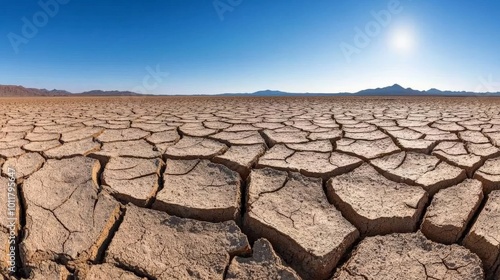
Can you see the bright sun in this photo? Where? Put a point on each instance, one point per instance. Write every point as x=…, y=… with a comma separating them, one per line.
x=402, y=40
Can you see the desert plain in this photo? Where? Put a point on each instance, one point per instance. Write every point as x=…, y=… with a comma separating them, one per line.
x=251, y=188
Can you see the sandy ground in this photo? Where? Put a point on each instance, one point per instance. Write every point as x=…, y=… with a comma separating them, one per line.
x=250, y=188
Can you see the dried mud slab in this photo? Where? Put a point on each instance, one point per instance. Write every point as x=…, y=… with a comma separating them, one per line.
x=484, y=236
x=38, y=137
x=367, y=149
x=66, y=216
x=417, y=145
x=451, y=211
x=489, y=175
x=200, y=189
x=137, y=149
x=116, y=135
x=292, y=212
x=374, y=204
x=239, y=138
x=456, y=154
x=274, y=137
x=132, y=179
x=168, y=136
x=107, y=271
x=159, y=246
x=48, y=270
x=241, y=158
x=419, y=169
x=264, y=264
x=193, y=148
x=313, y=164
x=80, y=134
x=24, y=165
x=41, y=146
x=409, y=256
x=12, y=148
x=72, y=149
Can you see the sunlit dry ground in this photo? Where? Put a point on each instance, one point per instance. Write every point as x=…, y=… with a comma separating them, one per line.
x=253, y=188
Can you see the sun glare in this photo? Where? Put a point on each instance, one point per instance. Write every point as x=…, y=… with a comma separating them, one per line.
x=402, y=40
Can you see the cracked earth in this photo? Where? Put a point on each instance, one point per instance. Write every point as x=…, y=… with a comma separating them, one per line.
x=251, y=188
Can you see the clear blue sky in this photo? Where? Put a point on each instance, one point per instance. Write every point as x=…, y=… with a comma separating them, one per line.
x=220, y=46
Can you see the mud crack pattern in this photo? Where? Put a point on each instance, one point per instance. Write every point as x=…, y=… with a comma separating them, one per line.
x=252, y=188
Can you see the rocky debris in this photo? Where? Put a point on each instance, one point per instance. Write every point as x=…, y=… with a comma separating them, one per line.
x=367, y=149
x=156, y=245
x=484, y=236
x=49, y=270
x=239, y=138
x=409, y=256
x=200, y=189
x=241, y=158
x=451, y=211
x=313, y=164
x=264, y=264
x=24, y=165
x=292, y=212
x=192, y=148
x=107, y=271
x=72, y=149
x=56, y=230
x=419, y=169
x=41, y=146
x=489, y=175
x=132, y=179
x=80, y=134
x=120, y=135
x=137, y=149
x=374, y=204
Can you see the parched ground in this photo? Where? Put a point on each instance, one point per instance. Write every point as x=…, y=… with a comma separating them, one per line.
x=251, y=188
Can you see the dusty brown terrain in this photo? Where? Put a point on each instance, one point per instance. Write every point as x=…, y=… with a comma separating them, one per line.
x=251, y=188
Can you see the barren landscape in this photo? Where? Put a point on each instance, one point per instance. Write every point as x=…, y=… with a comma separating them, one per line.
x=251, y=188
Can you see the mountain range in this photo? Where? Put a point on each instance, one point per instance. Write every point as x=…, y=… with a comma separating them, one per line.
x=394, y=90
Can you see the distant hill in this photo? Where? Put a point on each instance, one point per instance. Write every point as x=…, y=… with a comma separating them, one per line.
x=394, y=90
x=22, y=91
x=19, y=91
x=108, y=93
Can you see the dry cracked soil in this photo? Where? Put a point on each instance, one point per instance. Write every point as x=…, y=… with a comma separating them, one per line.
x=337, y=188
